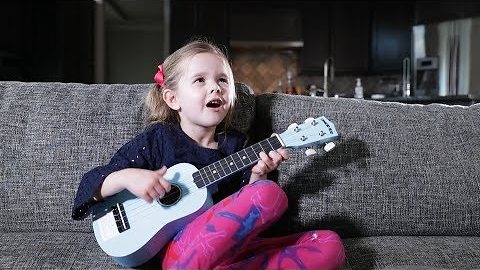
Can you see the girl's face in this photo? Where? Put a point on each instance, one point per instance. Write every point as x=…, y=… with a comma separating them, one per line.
x=204, y=92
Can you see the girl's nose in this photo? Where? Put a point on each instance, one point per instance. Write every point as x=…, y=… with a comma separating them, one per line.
x=215, y=89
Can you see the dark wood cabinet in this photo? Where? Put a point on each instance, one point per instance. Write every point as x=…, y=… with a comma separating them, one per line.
x=316, y=37
x=427, y=12
x=391, y=36
x=205, y=19
x=362, y=37
x=350, y=37
x=47, y=41
x=336, y=30
x=182, y=23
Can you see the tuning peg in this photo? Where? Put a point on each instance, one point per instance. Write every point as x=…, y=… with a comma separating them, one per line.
x=329, y=146
x=310, y=152
x=293, y=126
x=311, y=121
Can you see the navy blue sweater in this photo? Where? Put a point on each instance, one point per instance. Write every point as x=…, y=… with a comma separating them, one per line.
x=159, y=145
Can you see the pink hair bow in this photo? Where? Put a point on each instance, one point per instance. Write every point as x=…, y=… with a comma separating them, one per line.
x=159, y=77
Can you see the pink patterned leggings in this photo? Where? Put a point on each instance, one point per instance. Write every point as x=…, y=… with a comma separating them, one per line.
x=225, y=237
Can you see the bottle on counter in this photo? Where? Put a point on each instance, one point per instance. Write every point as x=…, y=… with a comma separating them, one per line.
x=314, y=91
x=279, y=87
x=290, y=89
x=358, y=89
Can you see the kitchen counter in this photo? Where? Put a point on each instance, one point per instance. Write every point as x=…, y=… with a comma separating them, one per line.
x=449, y=100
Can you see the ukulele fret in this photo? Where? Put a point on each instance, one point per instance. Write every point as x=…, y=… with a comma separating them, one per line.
x=235, y=162
x=227, y=169
x=232, y=164
x=217, y=170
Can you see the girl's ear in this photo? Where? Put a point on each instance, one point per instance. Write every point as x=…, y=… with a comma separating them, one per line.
x=170, y=98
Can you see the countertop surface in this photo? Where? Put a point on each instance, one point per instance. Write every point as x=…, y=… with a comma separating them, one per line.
x=452, y=100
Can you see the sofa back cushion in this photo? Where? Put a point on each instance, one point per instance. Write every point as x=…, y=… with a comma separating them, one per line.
x=52, y=133
x=398, y=169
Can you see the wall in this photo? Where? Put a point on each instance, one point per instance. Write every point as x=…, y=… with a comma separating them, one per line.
x=134, y=40
x=46, y=40
x=133, y=53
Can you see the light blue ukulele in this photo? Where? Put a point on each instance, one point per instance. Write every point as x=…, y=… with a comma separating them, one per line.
x=132, y=230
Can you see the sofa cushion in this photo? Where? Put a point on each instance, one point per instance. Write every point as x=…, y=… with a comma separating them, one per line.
x=398, y=169
x=52, y=133
x=60, y=250
x=38, y=250
x=412, y=252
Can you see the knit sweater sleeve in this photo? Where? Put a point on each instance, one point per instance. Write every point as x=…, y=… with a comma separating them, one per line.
x=137, y=153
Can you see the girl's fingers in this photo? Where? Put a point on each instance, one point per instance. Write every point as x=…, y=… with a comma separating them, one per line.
x=165, y=184
x=159, y=189
x=162, y=184
x=283, y=153
x=275, y=156
x=147, y=198
x=266, y=159
x=259, y=168
x=161, y=171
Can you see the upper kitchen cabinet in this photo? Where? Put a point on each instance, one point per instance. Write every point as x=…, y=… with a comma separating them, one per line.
x=265, y=24
x=338, y=31
x=391, y=36
x=335, y=31
x=427, y=12
x=207, y=19
x=47, y=41
x=350, y=37
x=316, y=37
x=362, y=37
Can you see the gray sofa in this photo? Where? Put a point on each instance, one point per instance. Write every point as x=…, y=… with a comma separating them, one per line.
x=401, y=187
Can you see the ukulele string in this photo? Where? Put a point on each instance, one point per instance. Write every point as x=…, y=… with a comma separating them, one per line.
x=138, y=204
x=191, y=186
x=252, y=158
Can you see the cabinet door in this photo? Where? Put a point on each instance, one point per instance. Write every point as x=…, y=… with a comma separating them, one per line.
x=212, y=22
x=391, y=36
x=350, y=37
x=427, y=12
x=207, y=19
x=47, y=41
x=182, y=23
x=316, y=37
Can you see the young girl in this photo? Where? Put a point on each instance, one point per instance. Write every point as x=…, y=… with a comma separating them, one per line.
x=188, y=114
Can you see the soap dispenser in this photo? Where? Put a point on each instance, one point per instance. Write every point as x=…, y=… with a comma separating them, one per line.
x=358, y=89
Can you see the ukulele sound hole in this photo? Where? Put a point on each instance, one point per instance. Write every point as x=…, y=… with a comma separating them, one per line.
x=171, y=197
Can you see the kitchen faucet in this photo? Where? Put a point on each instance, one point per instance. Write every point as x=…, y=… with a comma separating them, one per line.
x=327, y=66
x=406, y=77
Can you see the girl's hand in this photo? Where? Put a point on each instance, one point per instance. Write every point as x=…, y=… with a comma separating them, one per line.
x=149, y=185
x=146, y=184
x=268, y=163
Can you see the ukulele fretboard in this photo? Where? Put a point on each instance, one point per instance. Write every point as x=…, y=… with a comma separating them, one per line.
x=234, y=163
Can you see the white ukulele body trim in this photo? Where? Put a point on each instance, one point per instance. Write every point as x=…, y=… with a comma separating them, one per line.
x=154, y=223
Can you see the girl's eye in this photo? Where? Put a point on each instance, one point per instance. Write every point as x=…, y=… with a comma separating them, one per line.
x=200, y=80
x=224, y=80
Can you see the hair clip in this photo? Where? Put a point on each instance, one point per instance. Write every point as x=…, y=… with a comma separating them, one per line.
x=159, y=76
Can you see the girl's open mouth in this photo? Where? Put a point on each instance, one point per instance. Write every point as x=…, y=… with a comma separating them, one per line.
x=214, y=103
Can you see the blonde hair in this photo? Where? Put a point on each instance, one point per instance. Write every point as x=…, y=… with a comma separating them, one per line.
x=156, y=109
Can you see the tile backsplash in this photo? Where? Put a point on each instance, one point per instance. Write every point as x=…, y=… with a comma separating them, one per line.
x=262, y=69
